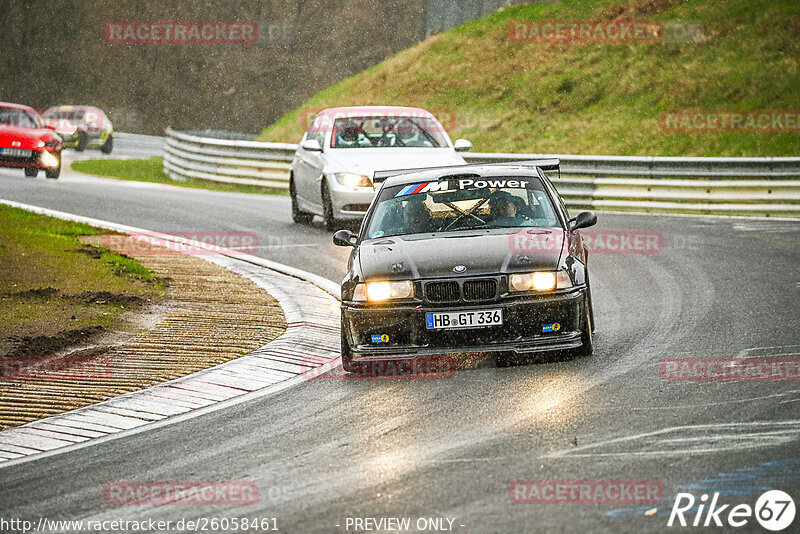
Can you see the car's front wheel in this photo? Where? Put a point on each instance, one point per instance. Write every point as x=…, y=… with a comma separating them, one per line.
x=53, y=173
x=83, y=140
x=327, y=209
x=347, y=356
x=591, y=307
x=587, y=340
x=299, y=216
x=108, y=146
x=31, y=172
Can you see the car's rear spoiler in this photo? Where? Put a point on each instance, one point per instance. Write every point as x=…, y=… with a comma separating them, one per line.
x=544, y=164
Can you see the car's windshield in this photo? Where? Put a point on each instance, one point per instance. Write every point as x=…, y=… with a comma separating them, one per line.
x=373, y=132
x=65, y=114
x=18, y=117
x=461, y=203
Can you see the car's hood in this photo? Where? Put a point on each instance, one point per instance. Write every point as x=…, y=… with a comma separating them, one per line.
x=368, y=160
x=28, y=138
x=482, y=252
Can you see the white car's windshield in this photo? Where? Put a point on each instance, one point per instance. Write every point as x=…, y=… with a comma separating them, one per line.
x=69, y=115
x=461, y=203
x=396, y=132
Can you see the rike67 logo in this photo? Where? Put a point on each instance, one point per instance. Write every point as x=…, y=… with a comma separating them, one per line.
x=774, y=510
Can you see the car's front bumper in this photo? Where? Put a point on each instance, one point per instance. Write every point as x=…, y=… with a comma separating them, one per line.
x=524, y=319
x=68, y=139
x=350, y=204
x=35, y=160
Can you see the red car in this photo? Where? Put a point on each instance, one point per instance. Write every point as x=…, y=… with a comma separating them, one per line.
x=26, y=142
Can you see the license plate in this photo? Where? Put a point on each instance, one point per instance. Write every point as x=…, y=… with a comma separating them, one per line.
x=16, y=152
x=463, y=319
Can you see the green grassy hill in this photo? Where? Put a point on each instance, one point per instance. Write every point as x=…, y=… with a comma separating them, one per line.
x=594, y=98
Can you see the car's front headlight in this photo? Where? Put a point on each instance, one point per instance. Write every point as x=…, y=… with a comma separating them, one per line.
x=48, y=160
x=539, y=281
x=381, y=291
x=352, y=180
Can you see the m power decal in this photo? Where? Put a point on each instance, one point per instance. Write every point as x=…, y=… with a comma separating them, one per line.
x=444, y=185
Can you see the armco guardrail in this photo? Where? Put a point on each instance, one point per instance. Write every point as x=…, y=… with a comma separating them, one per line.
x=717, y=186
x=724, y=186
x=222, y=160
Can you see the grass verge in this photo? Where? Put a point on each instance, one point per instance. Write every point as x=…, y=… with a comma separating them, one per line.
x=52, y=285
x=152, y=170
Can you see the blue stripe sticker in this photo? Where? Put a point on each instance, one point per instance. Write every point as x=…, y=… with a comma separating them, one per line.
x=406, y=190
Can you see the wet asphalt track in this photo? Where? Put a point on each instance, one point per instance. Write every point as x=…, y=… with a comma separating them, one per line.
x=327, y=450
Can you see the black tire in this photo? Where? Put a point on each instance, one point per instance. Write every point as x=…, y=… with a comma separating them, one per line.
x=591, y=307
x=347, y=356
x=108, y=146
x=53, y=174
x=586, y=330
x=298, y=216
x=330, y=221
x=83, y=140
x=31, y=172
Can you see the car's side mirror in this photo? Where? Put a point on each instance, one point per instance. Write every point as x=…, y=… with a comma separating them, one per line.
x=584, y=219
x=312, y=145
x=462, y=145
x=344, y=238
x=50, y=127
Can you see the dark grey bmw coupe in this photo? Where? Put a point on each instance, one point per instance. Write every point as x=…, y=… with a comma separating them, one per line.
x=475, y=258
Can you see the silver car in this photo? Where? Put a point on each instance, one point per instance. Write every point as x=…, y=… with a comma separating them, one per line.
x=332, y=169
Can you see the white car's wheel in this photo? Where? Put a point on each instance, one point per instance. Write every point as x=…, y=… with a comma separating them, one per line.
x=331, y=223
x=298, y=216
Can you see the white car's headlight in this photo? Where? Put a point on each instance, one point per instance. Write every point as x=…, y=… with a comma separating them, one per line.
x=352, y=180
x=380, y=291
x=539, y=281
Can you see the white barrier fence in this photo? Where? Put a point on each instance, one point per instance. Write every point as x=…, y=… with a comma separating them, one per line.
x=729, y=186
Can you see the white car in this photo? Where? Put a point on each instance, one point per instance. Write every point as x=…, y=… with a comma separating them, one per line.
x=334, y=164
